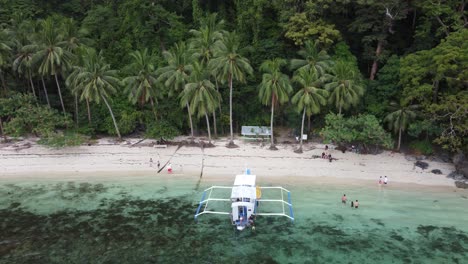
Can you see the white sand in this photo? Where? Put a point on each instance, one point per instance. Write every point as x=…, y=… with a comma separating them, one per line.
x=108, y=160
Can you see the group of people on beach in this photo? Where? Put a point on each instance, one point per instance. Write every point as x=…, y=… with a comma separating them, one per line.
x=325, y=155
x=384, y=180
x=354, y=204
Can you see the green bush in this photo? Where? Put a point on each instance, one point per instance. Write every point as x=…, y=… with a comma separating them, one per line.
x=161, y=129
x=67, y=139
x=422, y=146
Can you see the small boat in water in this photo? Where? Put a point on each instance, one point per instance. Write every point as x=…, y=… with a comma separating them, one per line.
x=245, y=199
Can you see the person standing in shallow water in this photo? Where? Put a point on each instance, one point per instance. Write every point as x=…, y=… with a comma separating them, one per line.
x=352, y=204
x=356, y=204
x=343, y=199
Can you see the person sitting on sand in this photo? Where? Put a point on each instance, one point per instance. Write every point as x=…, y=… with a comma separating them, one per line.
x=385, y=180
x=343, y=199
x=326, y=147
x=356, y=204
x=323, y=155
x=330, y=157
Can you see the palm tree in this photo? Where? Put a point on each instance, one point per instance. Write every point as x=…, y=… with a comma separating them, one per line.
x=51, y=57
x=176, y=73
x=73, y=36
x=275, y=88
x=5, y=53
x=202, y=45
x=141, y=87
x=344, y=86
x=201, y=94
x=312, y=58
x=95, y=81
x=310, y=97
x=23, y=64
x=400, y=117
x=229, y=65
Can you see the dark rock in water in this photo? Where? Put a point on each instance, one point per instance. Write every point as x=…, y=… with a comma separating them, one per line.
x=421, y=164
x=461, y=184
x=436, y=171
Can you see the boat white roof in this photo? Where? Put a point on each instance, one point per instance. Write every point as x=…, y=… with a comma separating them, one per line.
x=244, y=192
x=245, y=180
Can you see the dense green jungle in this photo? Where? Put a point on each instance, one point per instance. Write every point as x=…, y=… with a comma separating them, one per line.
x=382, y=73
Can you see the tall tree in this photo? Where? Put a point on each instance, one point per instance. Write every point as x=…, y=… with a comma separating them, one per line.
x=176, y=73
x=51, y=57
x=202, y=45
x=400, y=117
x=23, y=64
x=310, y=97
x=96, y=81
x=142, y=85
x=274, y=89
x=5, y=53
x=201, y=94
x=229, y=65
x=344, y=86
x=312, y=58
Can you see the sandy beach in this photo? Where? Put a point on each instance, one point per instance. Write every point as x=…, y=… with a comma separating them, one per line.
x=106, y=159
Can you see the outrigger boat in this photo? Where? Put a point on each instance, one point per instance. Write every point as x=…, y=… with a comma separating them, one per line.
x=245, y=199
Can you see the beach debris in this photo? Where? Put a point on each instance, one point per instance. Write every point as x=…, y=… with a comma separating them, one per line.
x=436, y=171
x=421, y=164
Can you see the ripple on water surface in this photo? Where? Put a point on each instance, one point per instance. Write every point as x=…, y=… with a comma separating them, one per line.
x=152, y=221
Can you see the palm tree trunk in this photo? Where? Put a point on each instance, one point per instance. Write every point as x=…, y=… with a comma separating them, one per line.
x=45, y=91
x=339, y=110
x=220, y=111
x=2, y=78
x=190, y=120
x=89, y=111
x=230, y=109
x=208, y=126
x=153, y=109
x=302, y=130
x=271, y=121
x=214, y=124
x=76, y=109
x=399, y=139
x=375, y=64
x=60, y=94
x=1, y=130
x=32, y=85
x=113, y=117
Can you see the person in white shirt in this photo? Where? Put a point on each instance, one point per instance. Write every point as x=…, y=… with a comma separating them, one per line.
x=385, y=180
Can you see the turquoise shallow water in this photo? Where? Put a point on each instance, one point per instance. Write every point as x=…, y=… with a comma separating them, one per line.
x=150, y=220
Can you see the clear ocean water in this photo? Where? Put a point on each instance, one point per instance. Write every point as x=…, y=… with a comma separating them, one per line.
x=150, y=220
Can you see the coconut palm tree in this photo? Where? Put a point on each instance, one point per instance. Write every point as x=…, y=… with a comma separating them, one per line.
x=23, y=64
x=175, y=75
x=202, y=45
x=50, y=56
x=96, y=81
x=274, y=89
x=201, y=94
x=5, y=53
x=229, y=65
x=344, y=86
x=400, y=117
x=142, y=86
x=310, y=98
x=312, y=58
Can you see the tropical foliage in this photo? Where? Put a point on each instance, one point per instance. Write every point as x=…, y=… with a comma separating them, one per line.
x=121, y=67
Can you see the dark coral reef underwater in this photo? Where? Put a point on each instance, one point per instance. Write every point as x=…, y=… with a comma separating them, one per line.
x=128, y=229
